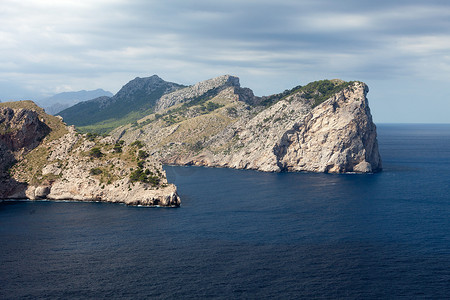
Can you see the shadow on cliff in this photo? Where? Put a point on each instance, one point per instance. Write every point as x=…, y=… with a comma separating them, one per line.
x=20, y=137
x=280, y=149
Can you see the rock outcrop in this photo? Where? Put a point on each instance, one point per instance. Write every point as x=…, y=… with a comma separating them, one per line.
x=214, y=85
x=21, y=129
x=325, y=126
x=47, y=160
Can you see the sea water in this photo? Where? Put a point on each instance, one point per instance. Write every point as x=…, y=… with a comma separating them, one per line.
x=249, y=234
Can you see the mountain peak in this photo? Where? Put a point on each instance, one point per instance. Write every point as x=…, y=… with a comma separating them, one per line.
x=145, y=85
x=147, y=79
x=228, y=80
x=139, y=94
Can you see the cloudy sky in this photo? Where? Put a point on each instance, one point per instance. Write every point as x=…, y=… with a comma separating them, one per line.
x=401, y=49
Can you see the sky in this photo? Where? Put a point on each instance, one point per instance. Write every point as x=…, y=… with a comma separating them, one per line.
x=400, y=49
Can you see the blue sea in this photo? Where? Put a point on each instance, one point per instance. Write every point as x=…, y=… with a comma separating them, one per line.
x=243, y=234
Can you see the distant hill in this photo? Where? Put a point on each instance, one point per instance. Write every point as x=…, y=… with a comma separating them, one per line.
x=134, y=100
x=61, y=101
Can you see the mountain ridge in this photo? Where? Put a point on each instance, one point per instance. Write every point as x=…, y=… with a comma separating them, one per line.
x=131, y=102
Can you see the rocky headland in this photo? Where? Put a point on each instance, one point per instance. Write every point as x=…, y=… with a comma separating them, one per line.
x=325, y=126
x=42, y=158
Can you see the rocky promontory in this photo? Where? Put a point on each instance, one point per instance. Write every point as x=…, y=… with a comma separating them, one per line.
x=325, y=126
x=42, y=158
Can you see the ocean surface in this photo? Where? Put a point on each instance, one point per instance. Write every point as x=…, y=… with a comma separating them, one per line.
x=247, y=234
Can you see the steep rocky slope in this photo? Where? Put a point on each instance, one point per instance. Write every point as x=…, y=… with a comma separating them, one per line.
x=325, y=126
x=44, y=159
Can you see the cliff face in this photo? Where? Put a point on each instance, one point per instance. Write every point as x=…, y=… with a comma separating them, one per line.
x=337, y=136
x=323, y=127
x=187, y=94
x=21, y=129
x=52, y=161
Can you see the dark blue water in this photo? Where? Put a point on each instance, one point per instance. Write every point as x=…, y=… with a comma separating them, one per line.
x=247, y=234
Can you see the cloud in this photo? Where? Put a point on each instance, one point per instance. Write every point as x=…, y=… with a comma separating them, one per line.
x=48, y=45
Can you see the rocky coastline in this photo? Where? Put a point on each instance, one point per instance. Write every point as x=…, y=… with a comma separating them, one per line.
x=325, y=126
x=42, y=158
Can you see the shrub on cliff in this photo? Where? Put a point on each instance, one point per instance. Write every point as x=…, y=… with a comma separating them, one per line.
x=118, y=146
x=137, y=144
x=96, y=171
x=144, y=176
x=96, y=152
x=321, y=90
x=142, y=154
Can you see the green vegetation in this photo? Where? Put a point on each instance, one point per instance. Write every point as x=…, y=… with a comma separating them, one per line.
x=137, y=144
x=170, y=119
x=142, y=154
x=269, y=100
x=91, y=136
x=96, y=152
x=118, y=146
x=145, y=176
x=319, y=91
x=96, y=171
x=210, y=106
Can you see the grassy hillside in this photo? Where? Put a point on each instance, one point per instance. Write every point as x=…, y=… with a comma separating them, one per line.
x=135, y=100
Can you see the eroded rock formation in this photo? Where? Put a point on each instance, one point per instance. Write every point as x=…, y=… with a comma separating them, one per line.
x=44, y=159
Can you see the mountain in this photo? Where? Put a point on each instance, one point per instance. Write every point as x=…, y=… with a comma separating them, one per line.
x=134, y=100
x=42, y=158
x=61, y=101
x=325, y=126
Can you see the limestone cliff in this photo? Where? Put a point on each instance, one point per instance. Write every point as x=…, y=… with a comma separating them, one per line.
x=187, y=94
x=44, y=159
x=325, y=126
